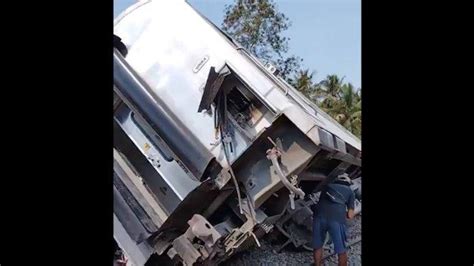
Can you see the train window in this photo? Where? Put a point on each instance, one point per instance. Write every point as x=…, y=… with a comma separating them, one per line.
x=241, y=103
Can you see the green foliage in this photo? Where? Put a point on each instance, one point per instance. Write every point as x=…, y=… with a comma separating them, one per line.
x=258, y=26
x=340, y=100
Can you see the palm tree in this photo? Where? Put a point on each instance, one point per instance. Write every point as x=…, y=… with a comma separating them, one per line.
x=341, y=101
x=347, y=111
x=328, y=92
x=331, y=86
x=352, y=111
x=304, y=83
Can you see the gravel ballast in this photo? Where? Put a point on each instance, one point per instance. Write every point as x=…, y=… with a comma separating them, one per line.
x=265, y=255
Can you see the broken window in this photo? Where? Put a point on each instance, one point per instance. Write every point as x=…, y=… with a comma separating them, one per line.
x=244, y=107
x=230, y=96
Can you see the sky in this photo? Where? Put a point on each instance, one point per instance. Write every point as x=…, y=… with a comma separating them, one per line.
x=325, y=33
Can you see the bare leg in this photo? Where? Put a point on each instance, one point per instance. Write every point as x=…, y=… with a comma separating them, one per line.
x=342, y=259
x=318, y=257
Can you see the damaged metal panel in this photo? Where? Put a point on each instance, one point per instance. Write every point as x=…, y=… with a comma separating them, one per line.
x=260, y=178
x=181, y=141
x=213, y=85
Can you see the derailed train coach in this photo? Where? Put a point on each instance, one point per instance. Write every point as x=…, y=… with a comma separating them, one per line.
x=212, y=149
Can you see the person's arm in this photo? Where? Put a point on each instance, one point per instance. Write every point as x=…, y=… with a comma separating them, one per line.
x=350, y=214
x=350, y=206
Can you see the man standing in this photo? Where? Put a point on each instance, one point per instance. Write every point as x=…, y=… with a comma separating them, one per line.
x=336, y=203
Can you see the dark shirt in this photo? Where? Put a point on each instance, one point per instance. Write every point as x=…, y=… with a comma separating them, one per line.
x=331, y=210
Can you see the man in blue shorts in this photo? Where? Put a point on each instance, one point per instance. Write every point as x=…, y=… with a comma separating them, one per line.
x=336, y=203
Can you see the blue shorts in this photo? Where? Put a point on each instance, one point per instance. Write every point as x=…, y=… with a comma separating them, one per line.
x=336, y=230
